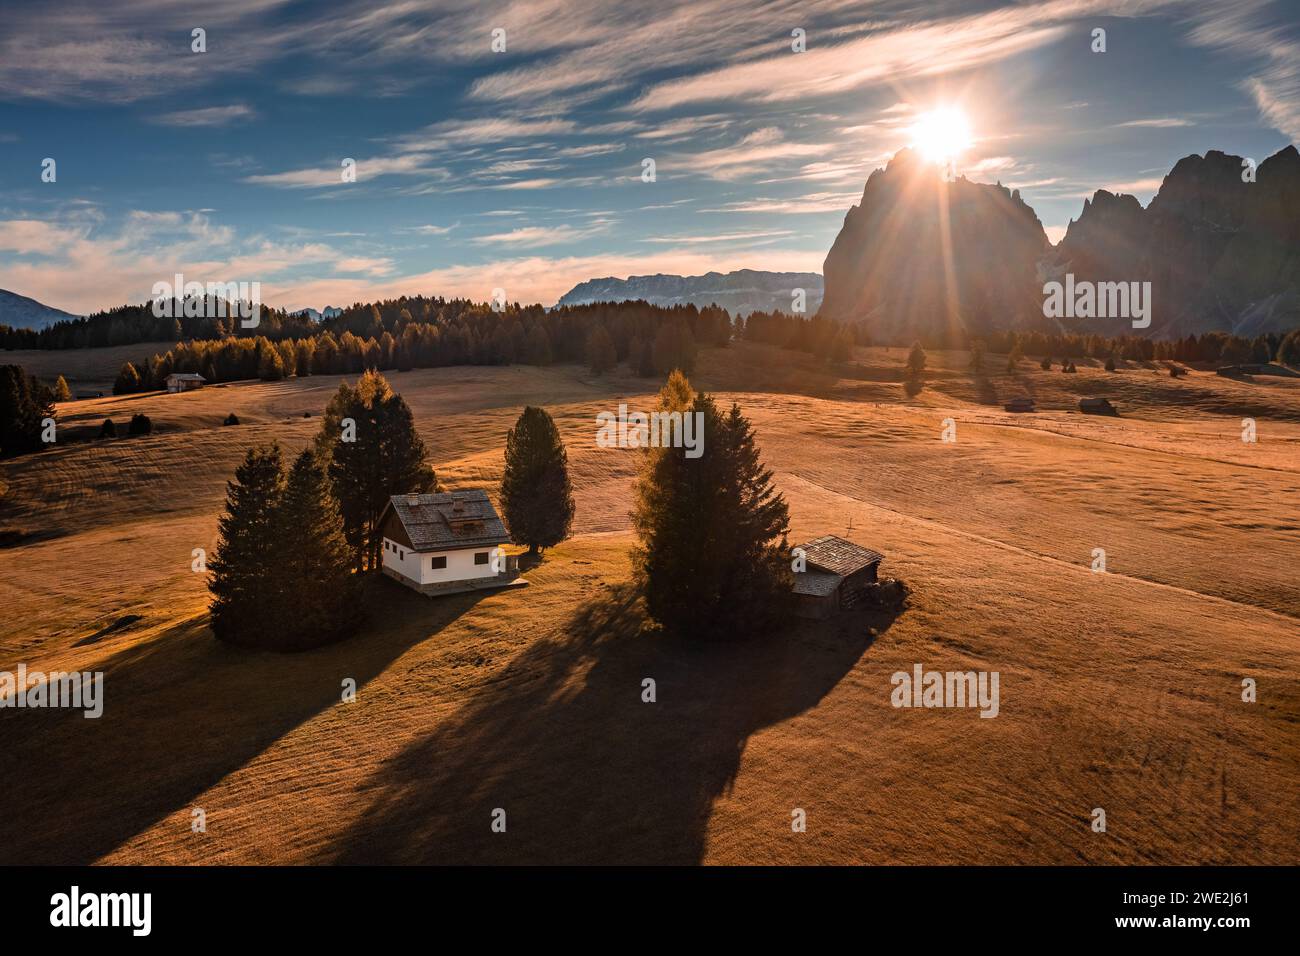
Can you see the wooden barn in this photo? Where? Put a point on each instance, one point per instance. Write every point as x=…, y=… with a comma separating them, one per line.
x=1097, y=406
x=184, y=381
x=836, y=573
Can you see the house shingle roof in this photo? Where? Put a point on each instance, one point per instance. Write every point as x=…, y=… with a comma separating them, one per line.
x=187, y=377
x=838, y=556
x=445, y=522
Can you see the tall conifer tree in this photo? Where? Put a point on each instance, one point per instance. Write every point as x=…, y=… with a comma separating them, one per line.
x=712, y=557
x=536, y=495
x=378, y=455
x=317, y=600
x=242, y=571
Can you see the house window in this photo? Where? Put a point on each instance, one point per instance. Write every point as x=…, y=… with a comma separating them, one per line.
x=436, y=563
x=481, y=557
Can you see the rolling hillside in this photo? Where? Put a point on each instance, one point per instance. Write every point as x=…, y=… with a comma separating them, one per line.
x=1119, y=690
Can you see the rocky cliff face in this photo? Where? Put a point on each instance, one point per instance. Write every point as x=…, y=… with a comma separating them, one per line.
x=740, y=292
x=1220, y=253
x=921, y=255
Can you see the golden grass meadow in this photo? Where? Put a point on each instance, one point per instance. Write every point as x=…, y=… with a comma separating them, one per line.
x=1120, y=690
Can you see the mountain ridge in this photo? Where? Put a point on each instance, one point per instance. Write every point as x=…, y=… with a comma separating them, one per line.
x=23, y=312
x=739, y=292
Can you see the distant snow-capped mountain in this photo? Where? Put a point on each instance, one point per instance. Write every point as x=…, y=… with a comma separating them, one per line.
x=20, y=312
x=740, y=292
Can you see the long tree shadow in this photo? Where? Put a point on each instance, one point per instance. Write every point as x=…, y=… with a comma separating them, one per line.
x=181, y=711
x=586, y=770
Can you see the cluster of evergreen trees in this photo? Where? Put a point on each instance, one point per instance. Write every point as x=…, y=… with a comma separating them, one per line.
x=1210, y=347
x=652, y=340
x=827, y=339
x=712, y=558
x=281, y=577
x=24, y=405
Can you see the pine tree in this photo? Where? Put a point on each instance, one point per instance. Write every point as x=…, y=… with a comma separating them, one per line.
x=317, y=599
x=916, y=361
x=538, y=351
x=243, y=577
x=61, y=391
x=1014, y=357
x=674, y=348
x=1288, y=352
x=384, y=458
x=711, y=558
x=601, y=354
x=536, y=495
x=24, y=405
x=640, y=358
x=128, y=380
x=758, y=580
x=1046, y=363
x=842, y=345
x=977, y=356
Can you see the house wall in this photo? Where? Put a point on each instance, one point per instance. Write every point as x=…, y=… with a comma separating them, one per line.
x=415, y=565
x=408, y=564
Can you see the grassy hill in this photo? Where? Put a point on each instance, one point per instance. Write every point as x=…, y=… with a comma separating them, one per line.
x=1118, y=690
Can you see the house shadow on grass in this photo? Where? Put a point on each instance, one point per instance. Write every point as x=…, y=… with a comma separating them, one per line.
x=586, y=771
x=181, y=711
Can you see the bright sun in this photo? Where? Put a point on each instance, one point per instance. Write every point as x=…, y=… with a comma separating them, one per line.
x=941, y=134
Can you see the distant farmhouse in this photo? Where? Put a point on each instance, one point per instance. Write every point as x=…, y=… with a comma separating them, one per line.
x=184, y=381
x=837, y=573
x=446, y=543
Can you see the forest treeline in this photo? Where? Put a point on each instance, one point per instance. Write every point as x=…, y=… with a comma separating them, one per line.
x=423, y=332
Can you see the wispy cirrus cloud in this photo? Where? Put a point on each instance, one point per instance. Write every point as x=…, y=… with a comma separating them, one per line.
x=1161, y=122
x=207, y=116
x=1267, y=33
x=318, y=177
x=530, y=237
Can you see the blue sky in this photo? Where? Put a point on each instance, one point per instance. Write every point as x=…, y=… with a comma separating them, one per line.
x=521, y=169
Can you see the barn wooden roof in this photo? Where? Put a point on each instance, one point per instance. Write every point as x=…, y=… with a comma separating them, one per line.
x=838, y=556
x=445, y=522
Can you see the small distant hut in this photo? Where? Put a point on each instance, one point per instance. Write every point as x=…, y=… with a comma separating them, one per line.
x=1022, y=404
x=835, y=576
x=1097, y=406
x=184, y=381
